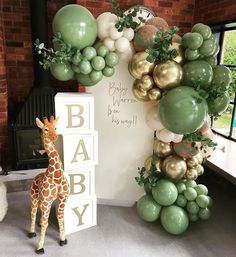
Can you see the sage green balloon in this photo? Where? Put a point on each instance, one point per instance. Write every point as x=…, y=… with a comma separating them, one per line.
x=102, y=50
x=62, y=71
x=204, y=214
x=192, y=207
x=185, y=39
x=89, y=52
x=190, y=194
x=98, y=63
x=95, y=76
x=108, y=71
x=84, y=80
x=182, y=110
x=202, y=201
x=213, y=38
x=75, y=68
x=221, y=76
x=148, y=209
x=203, y=29
x=219, y=104
x=85, y=67
x=201, y=189
x=180, y=187
x=111, y=59
x=216, y=51
x=191, y=55
x=207, y=48
x=174, y=219
x=77, y=58
x=195, y=26
x=212, y=60
x=190, y=183
x=181, y=201
x=198, y=72
x=193, y=217
x=165, y=192
x=76, y=24
x=194, y=40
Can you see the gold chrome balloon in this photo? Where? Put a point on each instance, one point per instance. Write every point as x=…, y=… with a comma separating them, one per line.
x=174, y=167
x=180, y=51
x=146, y=82
x=200, y=170
x=192, y=162
x=199, y=157
x=162, y=149
x=139, y=93
x=139, y=66
x=191, y=174
x=167, y=74
x=154, y=94
x=148, y=162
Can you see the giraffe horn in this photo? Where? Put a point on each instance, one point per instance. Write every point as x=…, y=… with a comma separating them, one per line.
x=51, y=119
x=45, y=120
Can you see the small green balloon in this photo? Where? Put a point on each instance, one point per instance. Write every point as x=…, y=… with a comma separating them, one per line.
x=98, y=63
x=207, y=48
x=77, y=58
x=180, y=187
x=217, y=49
x=192, y=207
x=174, y=219
x=75, y=68
x=185, y=39
x=111, y=59
x=202, y=29
x=191, y=55
x=108, y=71
x=193, y=217
x=201, y=189
x=148, y=209
x=194, y=40
x=95, y=76
x=165, y=193
x=202, y=201
x=190, y=183
x=181, y=201
x=204, y=214
x=89, y=52
x=213, y=38
x=85, y=67
x=190, y=194
x=62, y=71
x=102, y=50
x=84, y=80
x=219, y=105
x=212, y=60
x=221, y=76
x=196, y=26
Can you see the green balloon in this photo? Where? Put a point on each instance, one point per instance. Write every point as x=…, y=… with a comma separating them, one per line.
x=165, y=192
x=75, y=68
x=193, y=217
x=148, y=209
x=111, y=59
x=202, y=201
x=192, y=207
x=95, y=76
x=195, y=26
x=194, y=40
x=212, y=60
x=204, y=214
x=221, y=76
x=89, y=52
x=185, y=39
x=174, y=219
x=182, y=110
x=85, y=80
x=108, y=71
x=181, y=201
x=98, y=63
x=180, y=187
x=102, y=50
x=76, y=24
x=201, y=189
x=62, y=71
x=202, y=29
x=191, y=55
x=190, y=183
x=219, y=105
x=197, y=73
x=213, y=38
x=77, y=58
x=85, y=67
x=217, y=49
x=190, y=194
x=207, y=48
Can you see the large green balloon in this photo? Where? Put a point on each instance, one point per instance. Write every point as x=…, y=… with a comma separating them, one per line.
x=165, y=192
x=221, y=76
x=148, y=209
x=76, y=24
x=207, y=48
x=194, y=40
x=85, y=80
x=202, y=29
x=62, y=71
x=219, y=105
x=182, y=110
x=198, y=72
x=174, y=219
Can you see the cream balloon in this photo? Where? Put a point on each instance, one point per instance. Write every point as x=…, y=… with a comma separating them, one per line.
x=104, y=22
x=110, y=44
x=122, y=44
x=165, y=135
x=128, y=33
x=152, y=118
x=178, y=138
x=128, y=54
x=114, y=33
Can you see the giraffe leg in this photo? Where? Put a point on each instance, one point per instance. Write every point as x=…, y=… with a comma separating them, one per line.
x=34, y=207
x=44, y=224
x=60, y=218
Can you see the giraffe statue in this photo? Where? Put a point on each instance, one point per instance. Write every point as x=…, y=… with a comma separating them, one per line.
x=49, y=186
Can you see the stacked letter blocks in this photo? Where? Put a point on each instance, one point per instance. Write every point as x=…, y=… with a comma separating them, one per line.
x=77, y=147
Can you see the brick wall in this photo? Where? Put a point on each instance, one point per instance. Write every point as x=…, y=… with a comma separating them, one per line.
x=211, y=12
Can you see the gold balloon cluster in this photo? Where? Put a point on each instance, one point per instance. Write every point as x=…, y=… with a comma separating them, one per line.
x=172, y=165
x=151, y=78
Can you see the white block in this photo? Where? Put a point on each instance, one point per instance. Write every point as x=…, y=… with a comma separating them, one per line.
x=75, y=112
x=80, y=214
x=78, y=150
x=81, y=182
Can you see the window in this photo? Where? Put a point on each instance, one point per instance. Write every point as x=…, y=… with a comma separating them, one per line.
x=225, y=125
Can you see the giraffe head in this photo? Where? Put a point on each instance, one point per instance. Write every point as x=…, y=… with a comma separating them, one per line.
x=48, y=128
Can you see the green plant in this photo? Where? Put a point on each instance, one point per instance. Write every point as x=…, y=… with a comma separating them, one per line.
x=160, y=50
x=126, y=20
x=49, y=55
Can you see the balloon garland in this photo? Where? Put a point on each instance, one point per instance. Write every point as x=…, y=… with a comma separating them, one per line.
x=179, y=75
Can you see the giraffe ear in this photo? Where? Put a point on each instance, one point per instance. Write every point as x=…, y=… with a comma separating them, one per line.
x=39, y=123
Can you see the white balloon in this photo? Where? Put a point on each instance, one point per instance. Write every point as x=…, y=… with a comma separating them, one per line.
x=122, y=44
x=104, y=22
x=152, y=118
x=128, y=54
x=165, y=135
x=178, y=138
x=110, y=44
x=114, y=33
x=128, y=33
